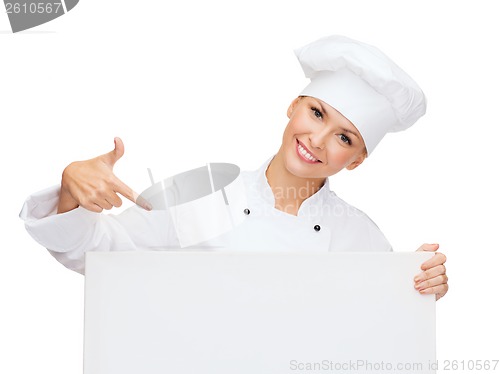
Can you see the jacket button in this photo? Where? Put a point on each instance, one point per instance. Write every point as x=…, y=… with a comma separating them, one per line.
x=317, y=227
x=246, y=211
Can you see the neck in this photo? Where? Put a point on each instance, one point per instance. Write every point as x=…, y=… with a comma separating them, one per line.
x=289, y=190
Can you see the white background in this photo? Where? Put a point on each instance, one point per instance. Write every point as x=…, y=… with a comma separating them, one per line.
x=185, y=83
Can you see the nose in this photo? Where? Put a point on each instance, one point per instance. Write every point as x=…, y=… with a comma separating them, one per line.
x=317, y=139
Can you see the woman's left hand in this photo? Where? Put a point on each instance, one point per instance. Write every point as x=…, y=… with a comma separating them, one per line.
x=432, y=279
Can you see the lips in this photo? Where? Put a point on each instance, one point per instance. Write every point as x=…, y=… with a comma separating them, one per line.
x=305, y=154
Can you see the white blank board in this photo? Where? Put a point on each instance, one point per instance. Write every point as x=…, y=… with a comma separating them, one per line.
x=256, y=313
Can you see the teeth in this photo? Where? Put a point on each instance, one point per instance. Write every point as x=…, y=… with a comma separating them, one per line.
x=306, y=154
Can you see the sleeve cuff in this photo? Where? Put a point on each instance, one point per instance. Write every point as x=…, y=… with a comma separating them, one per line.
x=58, y=232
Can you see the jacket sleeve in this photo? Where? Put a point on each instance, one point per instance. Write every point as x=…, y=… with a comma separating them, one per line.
x=69, y=235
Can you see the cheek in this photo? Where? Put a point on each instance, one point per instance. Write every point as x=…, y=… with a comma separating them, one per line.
x=339, y=157
x=289, y=132
x=298, y=124
x=286, y=135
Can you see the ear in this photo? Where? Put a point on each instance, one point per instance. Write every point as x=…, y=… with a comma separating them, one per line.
x=292, y=106
x=358, y=161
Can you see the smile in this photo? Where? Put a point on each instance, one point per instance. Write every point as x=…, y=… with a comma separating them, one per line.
x=305, y=154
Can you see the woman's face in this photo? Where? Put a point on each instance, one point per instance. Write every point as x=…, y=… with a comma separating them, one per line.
x=319, y=141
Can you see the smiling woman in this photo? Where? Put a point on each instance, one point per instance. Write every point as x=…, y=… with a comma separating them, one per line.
x=322, y=136
x=355, y=97
x=317, y=143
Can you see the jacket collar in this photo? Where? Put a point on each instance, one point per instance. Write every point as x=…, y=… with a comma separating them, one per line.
x=311, y=207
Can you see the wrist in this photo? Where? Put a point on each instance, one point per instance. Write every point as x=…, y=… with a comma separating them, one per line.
x=66, y=201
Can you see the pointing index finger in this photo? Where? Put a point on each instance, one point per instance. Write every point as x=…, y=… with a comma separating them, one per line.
x=131, y=195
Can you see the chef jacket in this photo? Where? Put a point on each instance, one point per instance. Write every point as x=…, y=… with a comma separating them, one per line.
x=324, y=222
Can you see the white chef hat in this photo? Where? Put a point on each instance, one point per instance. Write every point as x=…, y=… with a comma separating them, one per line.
x=363, y=84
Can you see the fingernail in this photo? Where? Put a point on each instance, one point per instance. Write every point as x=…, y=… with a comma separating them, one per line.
x=143, y=203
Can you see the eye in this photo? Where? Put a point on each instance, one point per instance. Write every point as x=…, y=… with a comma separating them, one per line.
x=317, y=112
x=345, y=139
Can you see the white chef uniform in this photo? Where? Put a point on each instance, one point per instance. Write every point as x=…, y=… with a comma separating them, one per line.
x=356, y=79
x=324, y=223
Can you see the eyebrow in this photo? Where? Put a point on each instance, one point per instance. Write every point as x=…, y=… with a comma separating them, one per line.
x=323, y=110
x=350, y=132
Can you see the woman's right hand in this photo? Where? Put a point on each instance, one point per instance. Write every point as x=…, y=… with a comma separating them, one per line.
x=92, y=185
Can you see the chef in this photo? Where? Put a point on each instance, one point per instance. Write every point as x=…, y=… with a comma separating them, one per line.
x=356, y=95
